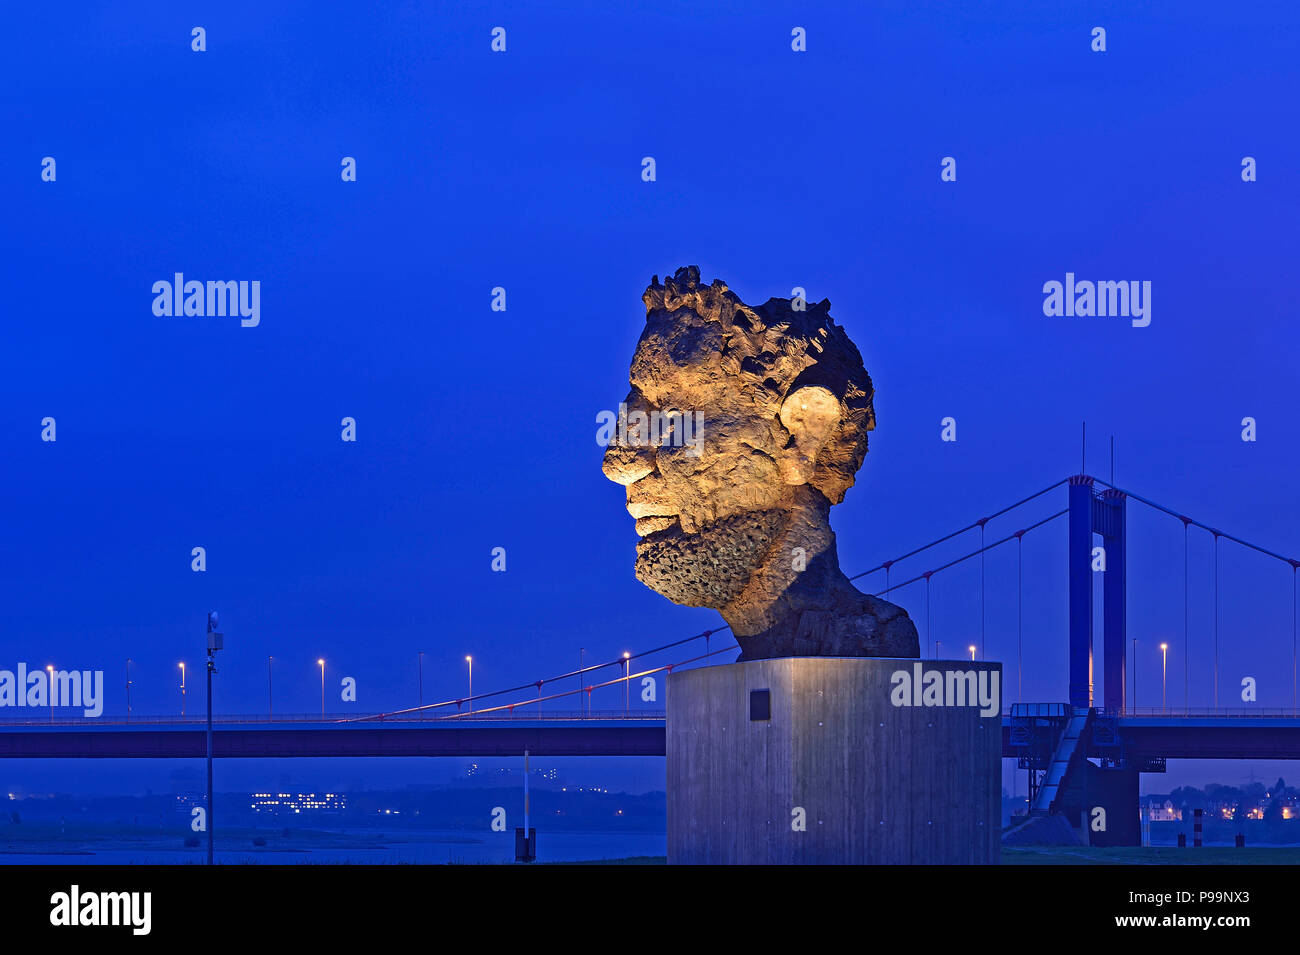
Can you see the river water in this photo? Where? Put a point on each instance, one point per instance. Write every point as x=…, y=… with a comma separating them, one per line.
x=424, y=847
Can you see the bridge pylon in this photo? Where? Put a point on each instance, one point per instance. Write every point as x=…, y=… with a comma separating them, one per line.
x=1097, y=513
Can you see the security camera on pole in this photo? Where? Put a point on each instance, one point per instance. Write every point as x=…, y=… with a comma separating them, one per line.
x=214, y=644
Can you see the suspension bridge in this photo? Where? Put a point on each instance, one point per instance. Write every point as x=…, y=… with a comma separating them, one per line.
x=1054, y=742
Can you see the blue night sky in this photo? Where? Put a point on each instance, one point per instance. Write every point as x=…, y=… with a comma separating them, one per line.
x=476, y=428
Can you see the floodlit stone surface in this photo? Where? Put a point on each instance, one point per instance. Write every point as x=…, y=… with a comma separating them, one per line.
x=736, y=515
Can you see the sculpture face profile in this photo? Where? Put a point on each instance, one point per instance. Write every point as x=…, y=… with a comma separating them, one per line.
x=737, y=518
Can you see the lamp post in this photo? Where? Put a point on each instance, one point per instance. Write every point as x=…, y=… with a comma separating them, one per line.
x=50, y=670
x=582, y=655
x=322, y=688
x=1135, y=674
x=470, y=699
x=420, y=667
x=972, y=651
x=128, y=688
x=627, y=683
x=270, y=706
x=1164, y=661
x=215, y=643
x=182, y=666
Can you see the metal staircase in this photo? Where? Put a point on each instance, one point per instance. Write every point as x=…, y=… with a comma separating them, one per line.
x=1067, y=752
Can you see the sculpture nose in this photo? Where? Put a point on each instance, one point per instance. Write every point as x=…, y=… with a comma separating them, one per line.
x=626, y=465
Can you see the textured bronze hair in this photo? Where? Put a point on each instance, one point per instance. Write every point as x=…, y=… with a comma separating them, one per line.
x=770, y=351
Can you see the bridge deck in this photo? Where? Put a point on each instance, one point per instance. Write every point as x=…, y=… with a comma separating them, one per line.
x=1174, y=737
x=1211, y=737
x=602, y=737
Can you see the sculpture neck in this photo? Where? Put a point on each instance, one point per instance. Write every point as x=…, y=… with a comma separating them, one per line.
x=802, y=570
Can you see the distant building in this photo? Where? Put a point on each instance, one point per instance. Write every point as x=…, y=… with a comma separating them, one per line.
x=298, y=803
x=183, y=803
x=1166, y=811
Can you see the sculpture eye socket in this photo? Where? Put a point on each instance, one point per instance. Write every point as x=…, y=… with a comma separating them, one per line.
x=669, y=419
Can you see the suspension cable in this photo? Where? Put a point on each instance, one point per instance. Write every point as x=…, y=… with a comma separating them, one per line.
x=976, y=553
x=1020, y=610
x=983, y=650
x=957, y=533
x=1216, y=620
x=1213, y=530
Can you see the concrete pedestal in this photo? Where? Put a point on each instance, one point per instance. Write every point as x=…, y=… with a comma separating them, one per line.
x=835, y=760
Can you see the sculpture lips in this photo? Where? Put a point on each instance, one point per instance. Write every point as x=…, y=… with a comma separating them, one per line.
x=653, y=524
x=640, y=509
x=651, y=516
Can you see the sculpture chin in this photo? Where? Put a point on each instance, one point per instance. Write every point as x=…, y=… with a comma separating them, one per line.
x=710, y=568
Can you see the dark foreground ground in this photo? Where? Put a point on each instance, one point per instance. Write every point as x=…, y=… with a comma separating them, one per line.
x=1153, y=855
x=1082, y=855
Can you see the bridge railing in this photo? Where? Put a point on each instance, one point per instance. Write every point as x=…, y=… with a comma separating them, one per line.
x=1225, y=712
x=199, y=722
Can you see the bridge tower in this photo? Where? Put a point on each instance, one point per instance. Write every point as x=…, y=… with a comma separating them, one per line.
x=1101, y=513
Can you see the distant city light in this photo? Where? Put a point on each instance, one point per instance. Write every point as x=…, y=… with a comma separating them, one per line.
x=298, y=802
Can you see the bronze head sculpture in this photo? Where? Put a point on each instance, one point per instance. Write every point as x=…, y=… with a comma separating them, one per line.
x=742, y=427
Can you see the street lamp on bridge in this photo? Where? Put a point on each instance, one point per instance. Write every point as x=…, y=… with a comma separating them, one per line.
x=972, y=651
x=1164, y=660
x=182, y=666
x=470, y=700
x=321, y=663
x=49, y=668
